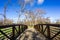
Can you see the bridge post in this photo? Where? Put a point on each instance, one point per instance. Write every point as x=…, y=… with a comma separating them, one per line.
x=42, y=28
x=19, y=29
x=48, y=32
x=13, y=33
x=39, y=28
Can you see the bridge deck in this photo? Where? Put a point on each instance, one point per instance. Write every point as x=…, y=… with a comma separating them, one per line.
x=31, y=34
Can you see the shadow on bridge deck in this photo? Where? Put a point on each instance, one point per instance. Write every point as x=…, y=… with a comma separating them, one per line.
x=31, y=34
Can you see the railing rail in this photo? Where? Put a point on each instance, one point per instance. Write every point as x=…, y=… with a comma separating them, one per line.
x=50, y=31
x=11, y=31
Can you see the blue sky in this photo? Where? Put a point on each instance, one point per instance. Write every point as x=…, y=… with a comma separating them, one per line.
x=52, y=8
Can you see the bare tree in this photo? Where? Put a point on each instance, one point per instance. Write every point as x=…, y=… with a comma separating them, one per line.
x=39, y=15
x=5, y=10
x=32, y=16
x=48, y=20
x=1, y=21
x=22, y=7
x=58, y=21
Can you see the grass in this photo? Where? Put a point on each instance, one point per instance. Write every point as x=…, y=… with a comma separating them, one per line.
x=7, y=31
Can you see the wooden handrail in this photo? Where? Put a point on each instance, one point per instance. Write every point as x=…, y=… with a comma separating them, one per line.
x=6, y=26
x=56, y=25
x=46, y=30
x=17, y=29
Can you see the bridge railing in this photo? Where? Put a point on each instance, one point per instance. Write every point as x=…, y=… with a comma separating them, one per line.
x=11, y=31
x=50, y=31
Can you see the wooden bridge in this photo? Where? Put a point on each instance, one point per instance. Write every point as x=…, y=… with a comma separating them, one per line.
x=22, y=32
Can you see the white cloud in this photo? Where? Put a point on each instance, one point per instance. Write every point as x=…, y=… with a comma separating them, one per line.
x=40, y=1
x=29, y=1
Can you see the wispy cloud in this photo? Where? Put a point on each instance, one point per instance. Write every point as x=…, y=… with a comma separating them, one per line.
x=29, y=1
x=40, y=1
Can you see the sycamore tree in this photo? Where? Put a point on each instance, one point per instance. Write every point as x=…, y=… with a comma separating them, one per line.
x=35, y=16
x=39, y=14
x=32, y=17
x=29, y=16
x=22, y=6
